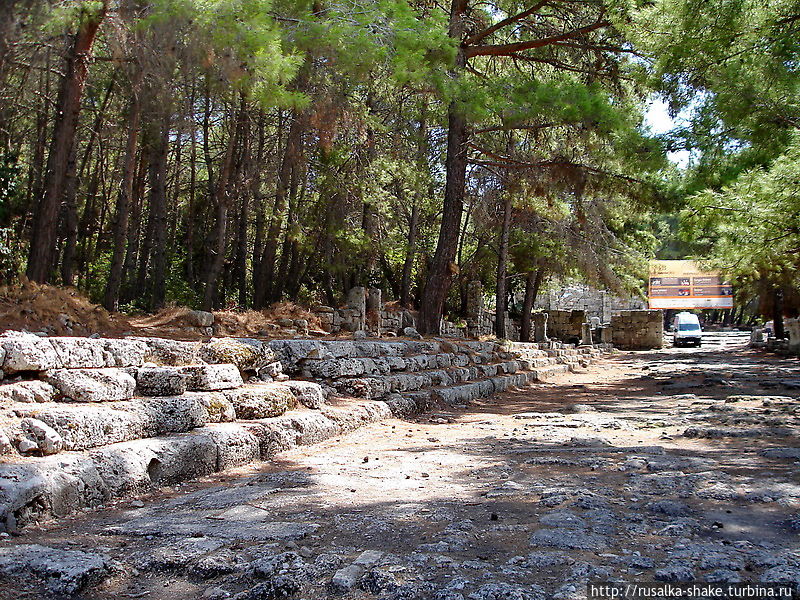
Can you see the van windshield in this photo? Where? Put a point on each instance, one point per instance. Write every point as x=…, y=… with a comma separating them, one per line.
x=688, y=327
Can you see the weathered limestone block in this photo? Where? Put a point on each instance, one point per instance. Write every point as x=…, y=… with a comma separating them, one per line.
x=6, y=447
x=82, y=427
x=261, y=400
x=211, y=377
x=200, y=318
x=309, y=394
x=336, y=368
x=217, y=406
x=134, y=467
x=124, y=353
x=28, y=352
x=171, y=352
x=92, y=385
x=235, y=445
x=27, y=391
x=160, y=381
x=246, y=354
x=79, y=353
x=45, y=438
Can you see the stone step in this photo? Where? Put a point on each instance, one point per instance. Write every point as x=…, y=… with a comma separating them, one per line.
x=335, y=368
x=55, y=486
x=20, y=352
x=293, y=352
x=381, y=386
x=83, y=426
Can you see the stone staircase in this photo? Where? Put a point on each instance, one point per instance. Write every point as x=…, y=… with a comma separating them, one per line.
x=421, y=373
x=85, y=421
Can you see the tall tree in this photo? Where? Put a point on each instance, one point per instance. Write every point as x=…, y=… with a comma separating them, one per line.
x=77, y=59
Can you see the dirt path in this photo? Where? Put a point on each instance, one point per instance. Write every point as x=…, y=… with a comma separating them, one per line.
x=638, y=469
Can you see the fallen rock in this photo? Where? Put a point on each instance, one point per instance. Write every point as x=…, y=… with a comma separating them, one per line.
x=411, y=332
x=47, y=440
x=200, y=318
x=92, y=385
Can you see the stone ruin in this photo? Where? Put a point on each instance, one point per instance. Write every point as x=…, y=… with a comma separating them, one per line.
x=629, y=329
x=86, y=420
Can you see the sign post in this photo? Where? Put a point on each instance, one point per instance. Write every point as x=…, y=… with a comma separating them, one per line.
x=681, y=284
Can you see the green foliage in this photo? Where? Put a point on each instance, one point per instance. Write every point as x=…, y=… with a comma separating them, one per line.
x=752, y=226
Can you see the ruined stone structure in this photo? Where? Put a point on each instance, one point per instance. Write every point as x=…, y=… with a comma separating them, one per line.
x=83, y=420
x=594, y=302
x=566, y=325
x=638, y=329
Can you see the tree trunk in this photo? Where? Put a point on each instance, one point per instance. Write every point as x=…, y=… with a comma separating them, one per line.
x=158, y=215
x=777, y=312
x=43, y=239
x=70, y=221
x=291, y=157
x=501, y=295
x=532, y=283
x=411, y=252
x=122, y=214
x=216, y=254
x=442, y=267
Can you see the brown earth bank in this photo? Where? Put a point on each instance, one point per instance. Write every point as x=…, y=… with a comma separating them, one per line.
x=676, y=466
x=35, y=307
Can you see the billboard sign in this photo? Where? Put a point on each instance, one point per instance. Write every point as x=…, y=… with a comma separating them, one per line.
x=681, y=284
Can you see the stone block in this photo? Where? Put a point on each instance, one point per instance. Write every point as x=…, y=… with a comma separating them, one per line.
x=246, y=354
x=170, y=352
x=28, y=352
x=261, y=400
x=79, y=353
x=200, y=318
x=27, y=391
x=211, y=377
x=160, y=381
x=124, y=353
x=92, y=385
x=308, y=393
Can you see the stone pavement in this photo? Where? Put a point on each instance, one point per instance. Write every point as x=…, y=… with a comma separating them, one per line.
x=677, y=466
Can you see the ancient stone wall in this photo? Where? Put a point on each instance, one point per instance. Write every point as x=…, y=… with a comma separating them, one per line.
x=638, y=329
x=596, y=303
x=566, y=325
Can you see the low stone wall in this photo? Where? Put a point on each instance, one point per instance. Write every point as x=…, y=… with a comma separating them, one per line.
x=566, y=325
x=638, y=329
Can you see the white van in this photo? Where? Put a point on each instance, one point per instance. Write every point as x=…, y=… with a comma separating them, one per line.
x=686, y=329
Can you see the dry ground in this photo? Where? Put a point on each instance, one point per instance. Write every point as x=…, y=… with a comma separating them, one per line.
x=637, y=469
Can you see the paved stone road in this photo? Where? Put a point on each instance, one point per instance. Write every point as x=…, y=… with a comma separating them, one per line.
x=679, y=465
